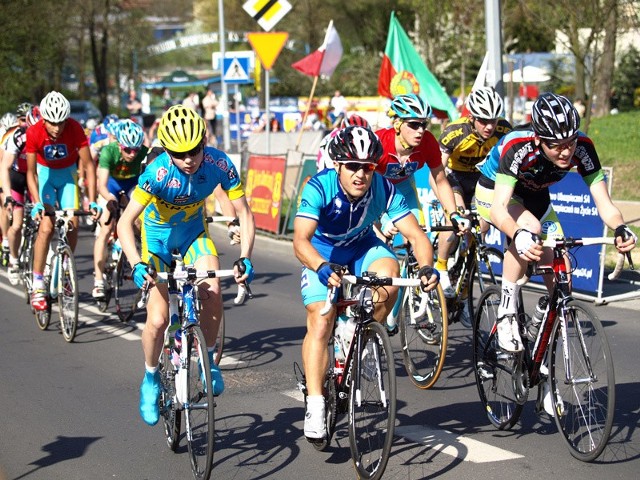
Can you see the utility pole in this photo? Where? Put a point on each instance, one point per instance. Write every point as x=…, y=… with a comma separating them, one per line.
x=224, y=92
x=493, y=28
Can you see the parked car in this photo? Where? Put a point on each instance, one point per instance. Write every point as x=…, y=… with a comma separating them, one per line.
x=83, y=110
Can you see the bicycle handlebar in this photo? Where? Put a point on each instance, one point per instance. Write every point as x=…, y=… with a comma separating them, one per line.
x=371, y=281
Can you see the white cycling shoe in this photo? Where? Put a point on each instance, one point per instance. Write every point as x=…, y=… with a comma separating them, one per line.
x=509, y=334
x=314, y=421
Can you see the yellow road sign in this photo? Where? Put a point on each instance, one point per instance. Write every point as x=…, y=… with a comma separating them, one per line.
x=267, y=46
x=267, y=12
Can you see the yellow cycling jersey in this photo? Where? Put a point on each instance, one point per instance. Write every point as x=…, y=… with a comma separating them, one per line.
x=464, y=146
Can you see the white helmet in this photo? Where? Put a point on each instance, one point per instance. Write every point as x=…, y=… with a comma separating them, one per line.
x=484, y=103
x=8, y=120
x=54, y=107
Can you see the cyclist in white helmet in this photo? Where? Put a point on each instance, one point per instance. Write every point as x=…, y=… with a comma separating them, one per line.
x=118, y=171
x=8, y=126
x=55, y=146
x=464, y=143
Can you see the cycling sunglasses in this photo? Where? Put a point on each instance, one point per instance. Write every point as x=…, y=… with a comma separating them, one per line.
x=560, y=147
x=417, y=125
x=355, y=166
x=191, y=153
x=129, y=149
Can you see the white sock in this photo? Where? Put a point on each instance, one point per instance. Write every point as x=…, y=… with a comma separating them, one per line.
x=508, y=299
x=150, y=369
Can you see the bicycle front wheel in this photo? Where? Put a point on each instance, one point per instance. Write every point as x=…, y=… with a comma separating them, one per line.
x=583, y=383
x=171, y=417
x=372, y=402
x=67, y=293
x=25, y=262
x=423, y=335
x=199, y=407
x=481, y=272
x=126, y=292
x=493, y=367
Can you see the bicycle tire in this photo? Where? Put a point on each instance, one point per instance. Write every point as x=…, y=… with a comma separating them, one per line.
x=68, y=297
x=493, y=368
x=26, y=266
x=372, y=407
x=199, y=409
x=585, y=413
x=424, y=340
x=476, y=273
x=219, y=347
x=43, y=317
x=126, y=293
x=171, y=416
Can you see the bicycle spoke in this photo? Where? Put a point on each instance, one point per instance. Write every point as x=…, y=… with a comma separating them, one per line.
x=67, y=294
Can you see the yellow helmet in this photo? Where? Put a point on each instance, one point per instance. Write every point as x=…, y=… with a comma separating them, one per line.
x=181, y=129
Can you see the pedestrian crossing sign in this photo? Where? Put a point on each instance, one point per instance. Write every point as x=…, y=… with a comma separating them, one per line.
x=235, y=70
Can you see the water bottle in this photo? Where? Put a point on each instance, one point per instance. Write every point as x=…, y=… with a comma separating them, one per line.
x=349, y=329
x=341, y=323
x=534, y=324
x=53, y=286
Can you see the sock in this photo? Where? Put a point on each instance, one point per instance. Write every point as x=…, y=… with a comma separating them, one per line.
x=508, y=298
x=441, y=264
x=150, y=370
x=38, y=281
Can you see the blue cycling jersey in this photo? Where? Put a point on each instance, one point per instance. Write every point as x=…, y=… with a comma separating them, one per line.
x=340, y=222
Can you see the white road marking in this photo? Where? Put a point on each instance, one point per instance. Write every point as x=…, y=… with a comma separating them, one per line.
x=464, y=448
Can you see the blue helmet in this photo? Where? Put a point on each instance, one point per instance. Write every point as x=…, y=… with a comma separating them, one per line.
x=409, y=106
x=129, y=134
x=110, y=122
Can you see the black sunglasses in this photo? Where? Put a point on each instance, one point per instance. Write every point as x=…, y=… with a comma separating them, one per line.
x=129, y=149
x=191, y=153
x=355, y=166
x=417, y=125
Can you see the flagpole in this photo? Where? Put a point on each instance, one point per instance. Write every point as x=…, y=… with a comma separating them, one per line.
x=306, y=112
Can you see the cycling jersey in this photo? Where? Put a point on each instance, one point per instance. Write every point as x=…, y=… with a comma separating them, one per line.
x=111, y=159
x=59, y=153
x=344, y=234
x=426, y=153
x=340, y=222
x=323, y=159
x=465, y=147
x=517, y=160
x=174, y=201
x=98, y=139
x=15, y=144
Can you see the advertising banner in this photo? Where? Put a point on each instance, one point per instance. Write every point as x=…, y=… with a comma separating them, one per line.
x=265, y=179
x=578, y=216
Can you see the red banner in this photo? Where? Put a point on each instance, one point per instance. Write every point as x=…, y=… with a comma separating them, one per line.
x=265, y=180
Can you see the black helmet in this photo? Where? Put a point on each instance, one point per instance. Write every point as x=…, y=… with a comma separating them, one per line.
x=553, y=117
x=355, y=144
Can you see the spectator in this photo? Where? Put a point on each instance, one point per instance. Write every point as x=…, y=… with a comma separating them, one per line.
x=134, y=105
x=209, y=105
x=339, y=103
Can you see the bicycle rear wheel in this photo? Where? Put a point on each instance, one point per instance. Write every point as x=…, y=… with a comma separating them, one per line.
x=494, y=367
x=584, y=384
x=481, y=270
x=126, y=292
x=200, y=406
x=424, y=337
x=168, y=403
x=25, y=262
x=372, y=402
x=67, y=294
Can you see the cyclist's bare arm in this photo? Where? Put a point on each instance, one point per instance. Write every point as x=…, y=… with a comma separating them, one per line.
x=444, y=192
x=609, y=213
x=5, y=182
x=126, y=231
x=303, y=230
x=422, y=248
x=247, y=228
x=103, y=179
x=89, y=169
x=32, y=178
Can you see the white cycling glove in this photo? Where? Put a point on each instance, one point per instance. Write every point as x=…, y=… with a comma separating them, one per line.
x=524, y=240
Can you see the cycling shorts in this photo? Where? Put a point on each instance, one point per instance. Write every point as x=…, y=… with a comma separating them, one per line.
x=18, y=187
x=357, y=258
x=58, y=186
x=548, y=217
x=116, y=186
x=464, y=184
x=158, y=244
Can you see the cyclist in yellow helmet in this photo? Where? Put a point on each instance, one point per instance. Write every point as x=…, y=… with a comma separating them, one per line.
x=171, y=195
